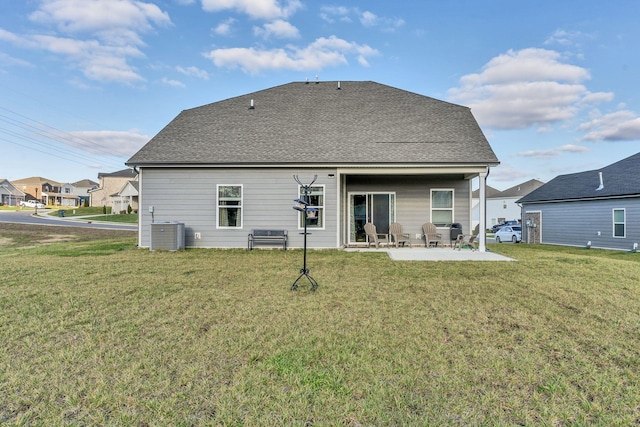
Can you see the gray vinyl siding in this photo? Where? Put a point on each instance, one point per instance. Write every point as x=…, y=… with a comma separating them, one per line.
x=578, y=222
x=413, y=198
x=188, y=195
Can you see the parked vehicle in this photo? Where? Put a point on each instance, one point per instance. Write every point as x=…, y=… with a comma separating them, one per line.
x=503, y=224
x=511, y=233
x=31, y=204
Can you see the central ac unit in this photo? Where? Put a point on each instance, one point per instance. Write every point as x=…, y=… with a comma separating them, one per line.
x=167, y=236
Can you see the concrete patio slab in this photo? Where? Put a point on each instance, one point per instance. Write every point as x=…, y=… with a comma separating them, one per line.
x=435, y=254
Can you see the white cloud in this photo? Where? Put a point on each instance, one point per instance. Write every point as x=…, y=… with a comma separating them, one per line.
x=97, y=61
x=99, y=37
x=225, y=28
x=370, y=19
x=193, y=72
x=279, y=29
x=172, y=83
x=554, y=152
x=527, y=65
x=113, y=21
x=331, y=13
x=258, y=9
x=116, y=143
x=505, y=173
x=566, y=38
x=9, y=61
x=367, y=18
x=324, y=52
x=521, y=89
x=618, y=126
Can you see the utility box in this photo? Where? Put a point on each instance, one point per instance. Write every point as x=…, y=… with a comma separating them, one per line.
x=167, y=236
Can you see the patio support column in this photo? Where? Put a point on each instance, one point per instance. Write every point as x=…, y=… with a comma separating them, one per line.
x=483, y=212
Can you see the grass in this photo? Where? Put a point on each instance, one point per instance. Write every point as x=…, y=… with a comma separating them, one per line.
x=94, y=213
x=120, y=218
x=96, y=331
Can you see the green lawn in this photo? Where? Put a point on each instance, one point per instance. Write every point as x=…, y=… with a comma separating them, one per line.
x=96, y=331
x=95, y=213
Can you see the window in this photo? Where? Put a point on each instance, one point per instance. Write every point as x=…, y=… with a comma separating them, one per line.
x=619, y=223
x=442, y=207
x=315, y=198
x=229, y=206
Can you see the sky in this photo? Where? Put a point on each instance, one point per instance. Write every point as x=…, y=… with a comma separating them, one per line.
x=84, y=84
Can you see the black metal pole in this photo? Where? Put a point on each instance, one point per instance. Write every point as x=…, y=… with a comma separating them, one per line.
x=304, y=272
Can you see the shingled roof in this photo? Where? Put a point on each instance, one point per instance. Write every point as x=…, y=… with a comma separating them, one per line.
x=332, y=123
x=521, y=189
x=620, y=179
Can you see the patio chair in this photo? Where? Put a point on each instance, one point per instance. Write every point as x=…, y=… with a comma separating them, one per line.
x=374, y=237
x=397, y=236
x=469, y=241
x=431, y=235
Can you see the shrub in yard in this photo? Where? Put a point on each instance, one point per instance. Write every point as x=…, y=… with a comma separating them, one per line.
x=104, y=210
x=129, y=209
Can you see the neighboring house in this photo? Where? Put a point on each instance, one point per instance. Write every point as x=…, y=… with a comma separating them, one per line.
x=81, y=189
x=109, y=185
x=475, y=204
x=127, y=196
x=379, y=154
x=50, y=192
x=10, y=195
x=597, y=208
x=503, y=206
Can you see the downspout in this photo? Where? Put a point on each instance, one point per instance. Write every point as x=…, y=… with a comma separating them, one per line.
x=140, y=211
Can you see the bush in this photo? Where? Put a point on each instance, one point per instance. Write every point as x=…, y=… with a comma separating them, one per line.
x=129, y=209
x=104, y=210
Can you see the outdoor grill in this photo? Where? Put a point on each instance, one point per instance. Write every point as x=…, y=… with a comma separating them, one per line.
x=455, y=230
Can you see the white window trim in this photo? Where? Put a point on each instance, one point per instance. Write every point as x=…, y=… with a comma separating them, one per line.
x=324, y=198
x=614, y=223
x=453, y=203
x=241, y=206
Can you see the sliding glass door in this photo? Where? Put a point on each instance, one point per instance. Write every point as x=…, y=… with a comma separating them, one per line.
x=377, y=208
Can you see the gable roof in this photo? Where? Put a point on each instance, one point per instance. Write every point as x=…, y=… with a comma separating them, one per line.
x=84, y=183
x=489, y=192
x=7, y=187
x=346, y=123
x=619, y=179
x=124, y=173
x=521, y=189
x=37, y=181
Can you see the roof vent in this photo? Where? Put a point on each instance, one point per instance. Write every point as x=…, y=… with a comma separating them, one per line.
x=251, y=107
x=317, y=79
x=338, y=85
x=306, y=80
x=601, y=186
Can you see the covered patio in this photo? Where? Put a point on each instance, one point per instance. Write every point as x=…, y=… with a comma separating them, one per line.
x=435, y=254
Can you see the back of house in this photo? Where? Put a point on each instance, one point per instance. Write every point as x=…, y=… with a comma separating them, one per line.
x=374, y=153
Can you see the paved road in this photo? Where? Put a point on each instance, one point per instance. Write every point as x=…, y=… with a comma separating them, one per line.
x=27, y=217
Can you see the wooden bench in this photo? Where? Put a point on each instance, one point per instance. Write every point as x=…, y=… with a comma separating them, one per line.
x=267, y=236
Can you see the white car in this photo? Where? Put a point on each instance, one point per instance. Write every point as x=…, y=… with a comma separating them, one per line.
x=31, y=204
x=510, y=233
